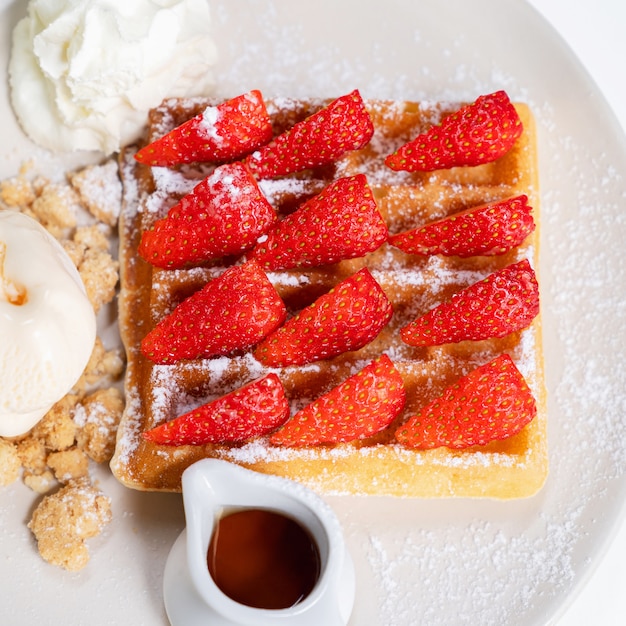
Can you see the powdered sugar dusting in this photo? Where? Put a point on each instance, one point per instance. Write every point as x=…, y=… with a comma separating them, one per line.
x=446, y=568
x=128, y=439
x=587, y=295
x=210, y=119
x=271, y=189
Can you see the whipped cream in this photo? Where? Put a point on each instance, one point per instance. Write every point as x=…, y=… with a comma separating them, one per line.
x=84, y=73
x=47, y=324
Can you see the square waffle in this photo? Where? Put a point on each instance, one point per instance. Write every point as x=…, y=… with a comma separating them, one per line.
x=512, y=468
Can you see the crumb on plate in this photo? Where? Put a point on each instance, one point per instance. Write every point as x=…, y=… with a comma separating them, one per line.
x=97, y=418
x=68, y=464
x=55, y=208
x=64, y=520
x=9, y=463
x=101, y=189
x=103, y=366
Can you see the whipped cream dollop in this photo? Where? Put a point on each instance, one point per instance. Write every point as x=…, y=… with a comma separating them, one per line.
x=47, y=324
x=84, y=73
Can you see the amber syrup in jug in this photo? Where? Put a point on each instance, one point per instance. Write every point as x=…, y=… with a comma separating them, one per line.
x=263, y=559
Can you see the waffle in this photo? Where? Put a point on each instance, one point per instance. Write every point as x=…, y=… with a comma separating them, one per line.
x=512, y=468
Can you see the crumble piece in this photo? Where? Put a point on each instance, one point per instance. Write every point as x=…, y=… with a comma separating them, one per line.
x=97, y=418
x=39, y=184
x=32, y=453
x=9, y=463
x=17, y=192
x=99, y=273
x=100, y=190
x=89, y=251
x=92, y=237
x=103, y=365
x=84, y=238
x=55, y=208
x=64, y=520
x=74, y=250
x=57, y=430
x=68, y=464
x=40, y=482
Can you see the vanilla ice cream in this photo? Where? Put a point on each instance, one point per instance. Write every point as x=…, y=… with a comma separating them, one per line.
x=47, y=324
x=84, y=73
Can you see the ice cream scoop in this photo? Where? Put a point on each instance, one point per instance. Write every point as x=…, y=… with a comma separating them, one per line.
x=47, y=324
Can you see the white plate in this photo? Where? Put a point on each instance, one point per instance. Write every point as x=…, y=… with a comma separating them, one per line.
x=417, y=562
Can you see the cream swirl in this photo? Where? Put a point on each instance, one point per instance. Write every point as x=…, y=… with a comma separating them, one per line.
x=83, y=74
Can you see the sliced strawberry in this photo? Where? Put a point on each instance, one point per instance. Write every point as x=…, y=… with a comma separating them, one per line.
x=478, y=133
x=485, y=230
x=220, y=133
x=346, y=318
x=492, y=402
x=342, y=222
x=321, y=138
x=502, y=303
x=223, y=215
x=230, y=313
x=251, y=411
x=361, y=406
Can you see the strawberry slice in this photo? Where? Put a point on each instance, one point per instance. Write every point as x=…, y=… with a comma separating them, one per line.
x=490, y=403
x=361, y=406
x=223, y=215
x=346, y=318
x=221, y=133
x=230, y=313
x=478, y=133
x=253, y=410
x=321, y=138
x=342, y=222
x=489, y=229
x=502, y=303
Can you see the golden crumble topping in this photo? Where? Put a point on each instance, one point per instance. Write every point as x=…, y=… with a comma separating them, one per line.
x=101, y=189
x=40, y=482
x=68, y=464
x=99, y=273
x=104, y=366
x=57, y=430
x=32, y=452
x=17, y=192
x=97, y=418
x=64, y=520
x=9, y=463
x=55, y=208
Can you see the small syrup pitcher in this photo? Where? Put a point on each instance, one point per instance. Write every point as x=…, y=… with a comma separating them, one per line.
x=215, y=495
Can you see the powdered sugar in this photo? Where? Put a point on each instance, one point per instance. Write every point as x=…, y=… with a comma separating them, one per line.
x=445, y=568
x=210, y=118
x=272, y=189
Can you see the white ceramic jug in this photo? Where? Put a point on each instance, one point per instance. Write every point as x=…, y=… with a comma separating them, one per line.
x=212, y=486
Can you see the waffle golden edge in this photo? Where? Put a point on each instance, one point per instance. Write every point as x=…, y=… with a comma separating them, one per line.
x=512, y=468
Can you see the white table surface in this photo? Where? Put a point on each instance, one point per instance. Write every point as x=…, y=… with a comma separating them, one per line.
x=596, y=31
